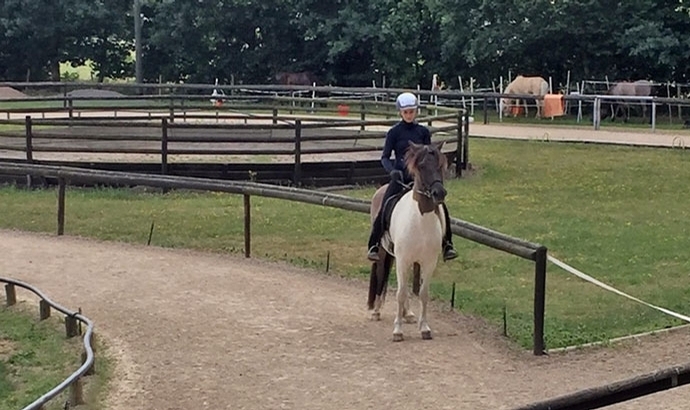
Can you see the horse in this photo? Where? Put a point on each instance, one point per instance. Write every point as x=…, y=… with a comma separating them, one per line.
x=413, y=238
x=639, y=88
x=301, y=78
x=536, y=86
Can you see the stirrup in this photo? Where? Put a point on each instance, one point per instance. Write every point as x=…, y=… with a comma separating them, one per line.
x=373, y=254
x=449, y=253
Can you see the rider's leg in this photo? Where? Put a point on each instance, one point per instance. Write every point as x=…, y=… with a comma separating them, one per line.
x=377, y=228
x=448, y=249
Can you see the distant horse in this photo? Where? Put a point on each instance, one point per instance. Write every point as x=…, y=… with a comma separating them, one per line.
x=640, y=88
x=413, y=238
x=536, y=86
x=302, y=78
x=437, y=84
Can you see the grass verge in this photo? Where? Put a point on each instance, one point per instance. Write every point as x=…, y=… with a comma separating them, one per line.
x=35, y=357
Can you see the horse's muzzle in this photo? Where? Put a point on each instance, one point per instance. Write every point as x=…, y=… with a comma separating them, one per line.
x=438, y=192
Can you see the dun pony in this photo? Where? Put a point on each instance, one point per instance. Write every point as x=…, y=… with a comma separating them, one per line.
x=521, y=85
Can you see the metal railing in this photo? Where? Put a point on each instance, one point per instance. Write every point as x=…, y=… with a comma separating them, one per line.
x=72, y=329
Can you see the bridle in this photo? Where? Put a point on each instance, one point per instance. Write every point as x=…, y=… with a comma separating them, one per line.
x=427, y=192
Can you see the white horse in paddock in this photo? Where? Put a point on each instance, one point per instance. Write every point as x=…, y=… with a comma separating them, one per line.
x=536, y=86
x=413, y=239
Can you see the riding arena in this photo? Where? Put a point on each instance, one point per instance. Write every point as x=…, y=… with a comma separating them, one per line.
x=189, y=328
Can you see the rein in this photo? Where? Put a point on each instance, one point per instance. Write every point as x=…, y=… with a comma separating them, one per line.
x=427, y=191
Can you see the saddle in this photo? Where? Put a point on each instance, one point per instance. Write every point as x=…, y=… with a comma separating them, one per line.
x=386, y=213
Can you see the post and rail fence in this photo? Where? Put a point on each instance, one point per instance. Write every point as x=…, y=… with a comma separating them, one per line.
x=285, y=136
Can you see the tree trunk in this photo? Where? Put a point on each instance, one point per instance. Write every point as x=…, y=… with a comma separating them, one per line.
x=55, y=70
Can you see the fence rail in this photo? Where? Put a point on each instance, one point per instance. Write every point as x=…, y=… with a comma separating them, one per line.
x=72, y=318
x=624, y=390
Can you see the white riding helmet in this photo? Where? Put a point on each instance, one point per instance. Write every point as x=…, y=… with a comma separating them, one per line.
x=406, y=101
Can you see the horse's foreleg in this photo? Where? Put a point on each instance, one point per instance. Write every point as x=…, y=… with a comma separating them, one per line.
x=424, y=299
x=408, y=315
x=402, y=301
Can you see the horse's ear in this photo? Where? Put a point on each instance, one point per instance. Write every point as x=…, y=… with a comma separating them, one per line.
x=439, y=144
x=414, y=146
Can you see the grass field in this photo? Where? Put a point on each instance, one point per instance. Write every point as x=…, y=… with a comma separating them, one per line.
x=616, y=213
x=35, y=357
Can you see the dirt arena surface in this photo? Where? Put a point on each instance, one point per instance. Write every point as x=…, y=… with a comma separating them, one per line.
x=194, y=330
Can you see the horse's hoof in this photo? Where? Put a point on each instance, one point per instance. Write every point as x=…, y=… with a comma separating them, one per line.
x=397, y=337
x=426, y=335
x=376, y=316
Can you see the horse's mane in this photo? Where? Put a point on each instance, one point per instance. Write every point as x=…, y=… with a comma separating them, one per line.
x=415, y=154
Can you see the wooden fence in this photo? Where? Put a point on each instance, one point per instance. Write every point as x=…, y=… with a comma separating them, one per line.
x=72, y=328
x=172, y=134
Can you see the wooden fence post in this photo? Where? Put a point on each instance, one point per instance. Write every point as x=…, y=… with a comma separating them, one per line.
x=11, y=294
x=485, y=107
x=76, y=393
x=43, y=310
x=70, y=109
x=275, y=116
x=466, y=141
x=539, y=300
x=91, y=370
x=164, y=146
x=171, y=106
x=29, y=146
x=362, y=115
x=297, y=177
x=458, y=148
x=71, y=328
x=29, y=139
x=61, y=206
x=247, y=226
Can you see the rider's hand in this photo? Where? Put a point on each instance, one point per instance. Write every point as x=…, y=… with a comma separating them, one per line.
x=396, y=175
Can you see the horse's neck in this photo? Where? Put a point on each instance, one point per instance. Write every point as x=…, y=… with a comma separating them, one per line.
x=424, y=203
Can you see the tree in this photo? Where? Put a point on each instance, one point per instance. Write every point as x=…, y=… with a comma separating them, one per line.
x=44, y=33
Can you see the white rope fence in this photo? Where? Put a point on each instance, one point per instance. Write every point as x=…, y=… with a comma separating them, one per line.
x=602, y=285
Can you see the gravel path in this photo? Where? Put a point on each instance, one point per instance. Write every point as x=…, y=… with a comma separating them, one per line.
x=193, y=330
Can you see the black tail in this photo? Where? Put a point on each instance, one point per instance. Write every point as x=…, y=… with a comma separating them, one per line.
x=378, y=279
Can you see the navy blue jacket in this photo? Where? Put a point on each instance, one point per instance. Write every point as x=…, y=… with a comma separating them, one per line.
x=397, y=140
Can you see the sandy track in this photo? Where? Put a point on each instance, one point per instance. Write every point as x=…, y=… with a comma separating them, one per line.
x=610, y=135
x=196, y=330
